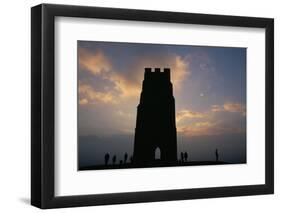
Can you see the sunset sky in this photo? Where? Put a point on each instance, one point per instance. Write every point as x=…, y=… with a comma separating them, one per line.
x=209, y=89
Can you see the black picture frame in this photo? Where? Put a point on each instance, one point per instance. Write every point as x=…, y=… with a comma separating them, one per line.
x=43, y=102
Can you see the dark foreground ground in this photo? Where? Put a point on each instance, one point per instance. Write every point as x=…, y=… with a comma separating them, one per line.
x=130, y=165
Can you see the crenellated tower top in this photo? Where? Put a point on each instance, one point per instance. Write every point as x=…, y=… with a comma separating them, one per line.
x=157, y=73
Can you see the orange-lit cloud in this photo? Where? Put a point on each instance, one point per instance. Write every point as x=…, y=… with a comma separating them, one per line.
x=230, y=107
x=216, y=108
x=100, y=66
x=209, y=122
x=235, y=107
x=180, y=71
x=96, y=63
x=124, y=87
x=208, y=128
x=87, y=95
x=188, y=114
x=83, y=101
x=127, y=83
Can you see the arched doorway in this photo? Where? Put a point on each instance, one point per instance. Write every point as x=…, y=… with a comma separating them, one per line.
x=157, y=153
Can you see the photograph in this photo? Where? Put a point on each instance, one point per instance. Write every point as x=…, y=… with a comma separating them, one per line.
x=144, y=105
x=121, y=97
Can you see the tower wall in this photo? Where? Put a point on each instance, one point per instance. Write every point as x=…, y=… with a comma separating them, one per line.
x=156, y=126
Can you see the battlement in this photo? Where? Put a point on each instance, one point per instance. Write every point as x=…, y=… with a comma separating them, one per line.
x=149, y=73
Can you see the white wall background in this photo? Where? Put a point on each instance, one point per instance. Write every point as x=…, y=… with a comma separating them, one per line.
x=15, y=106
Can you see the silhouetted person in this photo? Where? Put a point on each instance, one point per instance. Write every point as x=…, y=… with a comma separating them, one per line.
x=125, y=157
x=185, y=156
x=114, y=159
x=217, y=155
x=182, y=157
x=106, y=158
x=131, y=159
x=120, y=162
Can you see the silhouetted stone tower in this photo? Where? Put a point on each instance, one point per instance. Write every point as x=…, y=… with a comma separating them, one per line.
x=156, y=126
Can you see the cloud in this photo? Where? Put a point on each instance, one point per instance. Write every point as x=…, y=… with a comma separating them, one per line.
x=235, y=107
x=216, y=108
x=180, y=71
x=124, y=87
x=96, y=62
x=83, y=101
x=127, y=81
x=192, y=123
x=230, y=107
x=87, y=95
x=208, y=128
x=188, y=114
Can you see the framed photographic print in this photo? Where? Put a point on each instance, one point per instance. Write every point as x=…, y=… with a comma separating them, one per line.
x=140, y=106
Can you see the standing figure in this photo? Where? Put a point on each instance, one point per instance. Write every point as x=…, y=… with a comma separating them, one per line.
x=217, y=155
x=182, y=157
x=114, y=159
x=125, y=157
x=185, y=156
x=106, y=158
